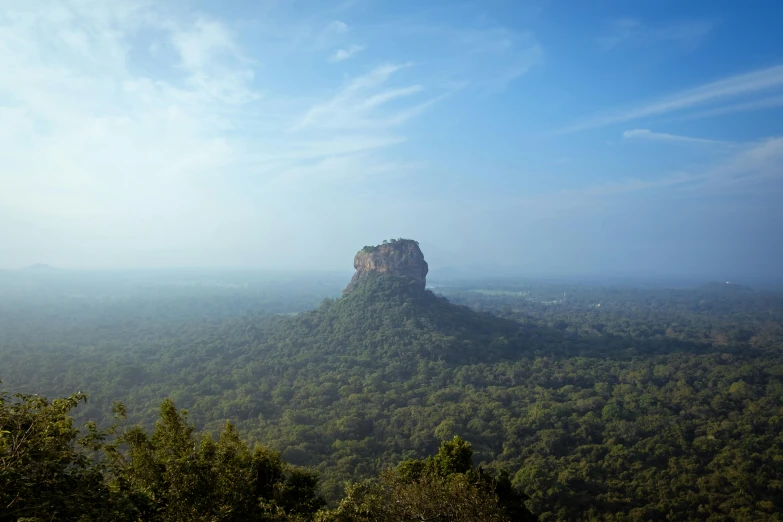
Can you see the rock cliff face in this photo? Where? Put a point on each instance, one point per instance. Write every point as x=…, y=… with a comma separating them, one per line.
x=399, y=258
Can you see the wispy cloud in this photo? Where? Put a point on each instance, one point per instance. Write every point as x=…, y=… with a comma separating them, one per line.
x=487, y=57
x=199, y=43
x=195, y=104
x=213, y=60
x=152, y=154
x=633, y=31
x=757, y=161
x=748, y=167
x=357, y=104
x=337, y=26
x=100, y=114
x=343, y=54
x=734, y=86
x=749, y=163
x=765, y=103
x=646, y=134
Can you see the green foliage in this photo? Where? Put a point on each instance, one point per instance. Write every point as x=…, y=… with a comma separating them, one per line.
x=175, y=475
x=49, y=471
x=445, y=487
x=45, y=470
x=397, y=242
x=394, y=318
x=656, y=404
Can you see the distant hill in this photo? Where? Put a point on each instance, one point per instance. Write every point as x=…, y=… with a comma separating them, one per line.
x=389, y=317
x=387, y=313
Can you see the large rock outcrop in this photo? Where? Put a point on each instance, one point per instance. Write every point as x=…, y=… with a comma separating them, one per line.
x=398, y=257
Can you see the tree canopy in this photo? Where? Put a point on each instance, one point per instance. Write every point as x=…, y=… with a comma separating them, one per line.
x=49, y=470
x=657, y=403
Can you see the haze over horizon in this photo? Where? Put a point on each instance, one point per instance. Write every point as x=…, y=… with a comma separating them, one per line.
x=641, y=138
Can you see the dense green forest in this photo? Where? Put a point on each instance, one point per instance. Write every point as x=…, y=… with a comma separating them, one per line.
x=51, y=470
x=601, y=402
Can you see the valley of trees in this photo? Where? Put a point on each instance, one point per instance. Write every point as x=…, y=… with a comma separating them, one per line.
x=605, y=403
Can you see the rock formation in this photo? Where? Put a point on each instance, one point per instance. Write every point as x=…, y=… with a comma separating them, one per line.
x=398, y=257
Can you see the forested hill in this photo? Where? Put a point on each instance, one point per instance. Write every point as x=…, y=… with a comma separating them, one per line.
x=654, y=404
x=387, y=318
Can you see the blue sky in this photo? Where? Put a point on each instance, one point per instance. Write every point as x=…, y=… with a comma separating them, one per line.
x=550, y=137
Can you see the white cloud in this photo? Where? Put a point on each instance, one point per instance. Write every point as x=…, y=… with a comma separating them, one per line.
x=749, y=167
x=358, y=104
x=489, y=57
x=750, y=163
x=387, y=96
x=646, y=134
x=753, y=163
x=91, y=144
x=765, y=103
x=213, y=61
x=199, y=44
x=337, y=26
x=743, y=84
x=130, y=126
x=343, y=54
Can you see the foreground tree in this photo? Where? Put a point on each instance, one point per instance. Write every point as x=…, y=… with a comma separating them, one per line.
x=50, y=470
x=46, y=472
x=175, y=475
x=443, y=488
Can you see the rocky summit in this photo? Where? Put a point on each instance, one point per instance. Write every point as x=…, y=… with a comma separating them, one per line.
x=397, y=257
